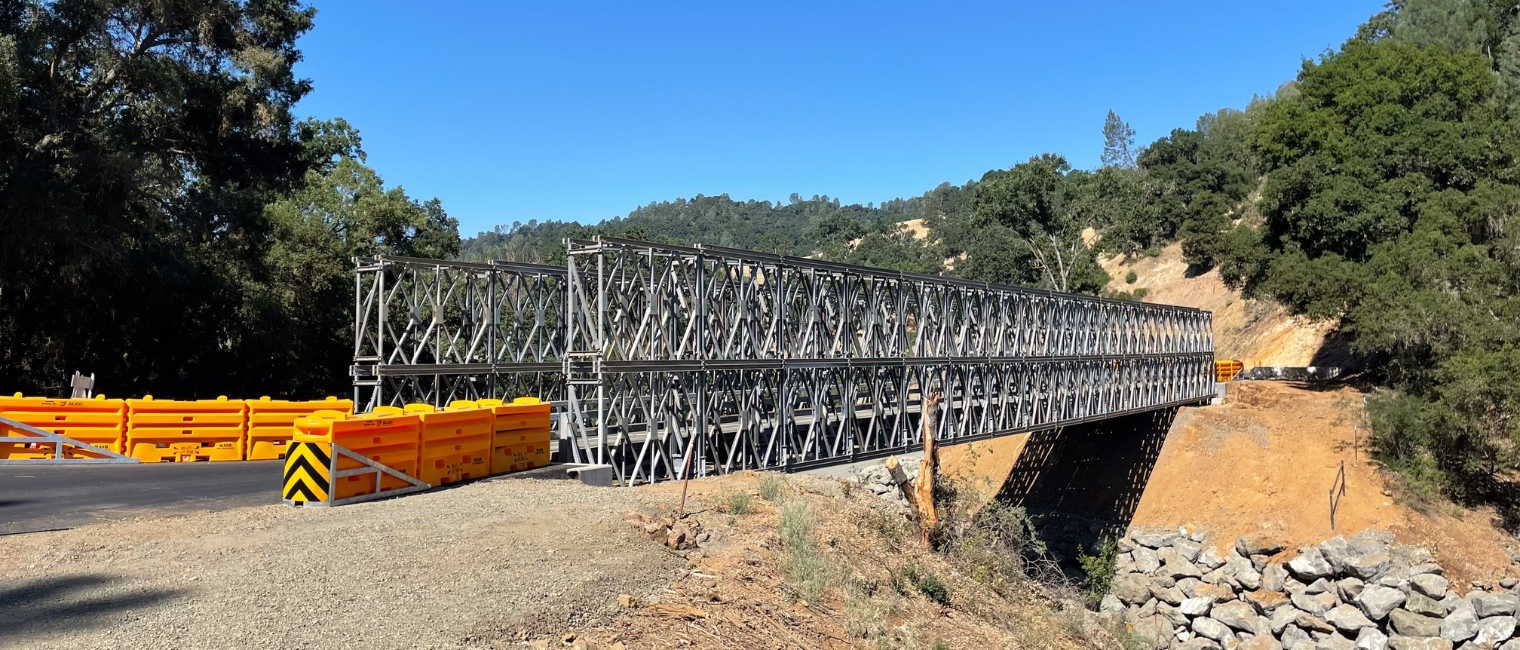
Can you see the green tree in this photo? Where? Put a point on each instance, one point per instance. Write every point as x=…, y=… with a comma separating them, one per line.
x=1034, y=201
x=139, y=144
x=1390, y=180
x=1118, y=141
x=341, y=210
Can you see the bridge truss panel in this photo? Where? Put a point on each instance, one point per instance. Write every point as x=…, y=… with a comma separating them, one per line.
x=435, y=331
x=745, y=360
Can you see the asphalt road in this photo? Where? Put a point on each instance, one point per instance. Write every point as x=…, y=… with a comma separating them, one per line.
x=39, y=497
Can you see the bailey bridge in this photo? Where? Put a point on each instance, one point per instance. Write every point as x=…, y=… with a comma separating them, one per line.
x=655, y=354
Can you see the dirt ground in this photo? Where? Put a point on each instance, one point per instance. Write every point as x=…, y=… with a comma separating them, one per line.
x=1265, y=461
x=508, y=564
x=454, y=568
x=1254, y=332
x=738, y=595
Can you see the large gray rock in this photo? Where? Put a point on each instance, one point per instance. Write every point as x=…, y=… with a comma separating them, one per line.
x=1495, y=629
x=1424, y=568
x=1336, y=551
x=1368, y=567
x=1236, y=614
x=1176, y=567
x=1461, y=624
x=1197, y=606
x=1189, y=586
x=1171, y=613
x=1349, y=588
x=1187, y=549
x=1431, y=585
x=1207, y=627
x=1283, y=618
x=1169, y=595
x=1210, y=559
x=1369, y=638
x=1335, y=642
x=1512, y=644
x=1155, y=538
x=1491, y=604
x=1156, y=628
x=1265, y=601
x=1258, y=544
x=1310, y=566
x=1408, y=623
x=1347, y=618
x=1376, y=601
x=1313, y=624
x=1219, y=593
x=1197, y=643
x=1260, y=642
x=1316, y=604
x=1132, y=588
x=1421, y=604
x=1400, y=642
x=1273, y=575
x=1319, y=586
x=1145, y=560
x=1292, y=634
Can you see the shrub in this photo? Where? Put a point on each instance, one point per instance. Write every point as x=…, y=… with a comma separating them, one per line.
x=925, y=582
x=736, y=503
x=1131, y=277
x=771, y=487
x=1099, y=568
x=803, y=562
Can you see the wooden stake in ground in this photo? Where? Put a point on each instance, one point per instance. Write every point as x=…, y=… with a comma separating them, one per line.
x=923, y=484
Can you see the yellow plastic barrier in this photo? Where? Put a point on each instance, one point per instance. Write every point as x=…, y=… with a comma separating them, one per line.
x=456, y=442
x=99, y=421
x=185, y=431
x=1226, y=369
x=385, y=436
x=271, y=423
x=520, y=434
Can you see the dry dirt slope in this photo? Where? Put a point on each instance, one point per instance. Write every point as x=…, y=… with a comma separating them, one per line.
x=1255, y=332
x=1265, y=461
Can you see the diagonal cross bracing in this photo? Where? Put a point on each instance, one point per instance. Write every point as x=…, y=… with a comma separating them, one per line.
x=746, y=360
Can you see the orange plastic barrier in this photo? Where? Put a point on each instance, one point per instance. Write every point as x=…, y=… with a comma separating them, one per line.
x=185, y=431
x=386, y=436
x=99, y=421
x=1226, y=369
x=520, y=434
x=271, y=423
x=456, y=442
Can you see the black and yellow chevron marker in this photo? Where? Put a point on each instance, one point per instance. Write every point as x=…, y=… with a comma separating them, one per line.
x=306, y=472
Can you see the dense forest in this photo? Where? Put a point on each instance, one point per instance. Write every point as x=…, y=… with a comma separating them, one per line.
x=169, y=224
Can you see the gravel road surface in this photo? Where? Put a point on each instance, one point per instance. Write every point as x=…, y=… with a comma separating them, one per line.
x=471, y=567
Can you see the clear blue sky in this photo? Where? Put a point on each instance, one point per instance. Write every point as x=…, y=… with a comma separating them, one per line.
x=584, y=111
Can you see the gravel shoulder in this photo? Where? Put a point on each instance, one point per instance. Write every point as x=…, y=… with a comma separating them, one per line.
x=469, y=567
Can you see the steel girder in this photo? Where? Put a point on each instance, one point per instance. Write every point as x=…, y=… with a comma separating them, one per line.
x=746, y=360
x=435, y=331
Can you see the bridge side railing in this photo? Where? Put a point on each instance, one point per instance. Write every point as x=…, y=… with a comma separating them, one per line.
x=746, y=360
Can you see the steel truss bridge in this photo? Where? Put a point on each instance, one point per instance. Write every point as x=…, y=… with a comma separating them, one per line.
x=738, y=360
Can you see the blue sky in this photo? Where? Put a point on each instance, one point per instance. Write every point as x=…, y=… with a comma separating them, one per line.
x=583, y=110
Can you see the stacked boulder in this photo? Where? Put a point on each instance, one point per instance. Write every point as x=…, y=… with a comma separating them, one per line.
x=1357, y=593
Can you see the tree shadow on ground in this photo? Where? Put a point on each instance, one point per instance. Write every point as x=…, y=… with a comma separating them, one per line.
x=52, y=605
x=1082, y=484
